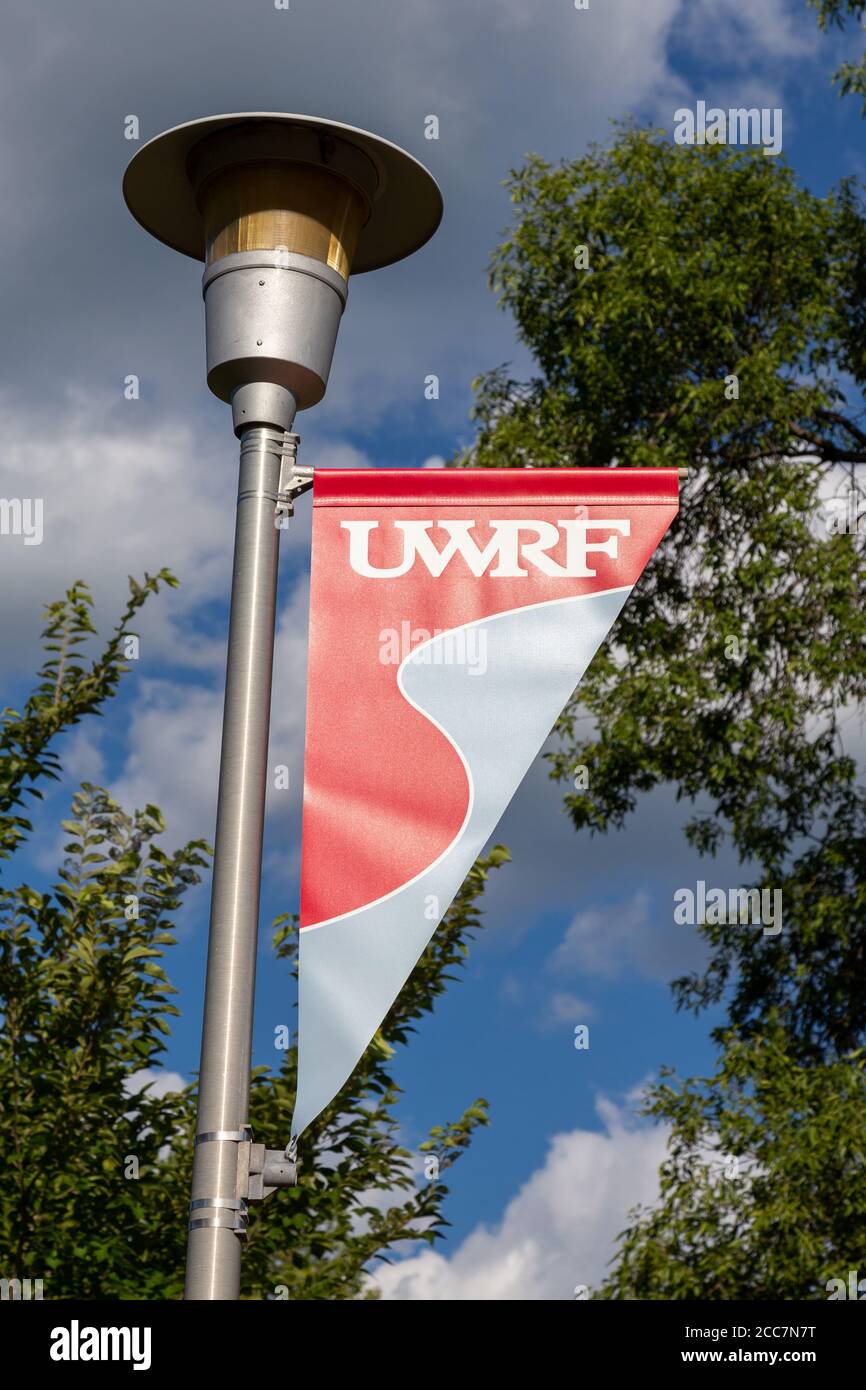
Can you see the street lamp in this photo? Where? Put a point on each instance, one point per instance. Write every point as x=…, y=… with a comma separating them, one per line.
x=281, y=209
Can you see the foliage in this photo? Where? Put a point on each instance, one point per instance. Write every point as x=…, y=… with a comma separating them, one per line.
x=762, y=1193
x=739, y=655
x=359, y=1193
x=96, y=1162
x=719, y=325
x=849, y=77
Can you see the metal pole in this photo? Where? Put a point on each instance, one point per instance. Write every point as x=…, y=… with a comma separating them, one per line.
x=214, y=1249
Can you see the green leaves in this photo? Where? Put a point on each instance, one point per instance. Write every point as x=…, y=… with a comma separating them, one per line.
x=737, y=663
x=68, y=687
x=360, y=1192
x=849, y=77
x=96, y=1164
x=86, y=1007
x=83, y=997
x=761, y=1197
x=730, y=669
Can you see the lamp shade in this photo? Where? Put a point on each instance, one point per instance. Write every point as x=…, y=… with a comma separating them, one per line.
x=181, y=188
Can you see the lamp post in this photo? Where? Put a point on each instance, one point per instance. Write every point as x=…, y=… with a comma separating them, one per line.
x=282, y=209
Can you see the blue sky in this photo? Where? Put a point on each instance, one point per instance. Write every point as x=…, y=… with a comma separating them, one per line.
x=88, y=298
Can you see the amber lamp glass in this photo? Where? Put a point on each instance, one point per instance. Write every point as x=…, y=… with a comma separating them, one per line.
x=263, y=207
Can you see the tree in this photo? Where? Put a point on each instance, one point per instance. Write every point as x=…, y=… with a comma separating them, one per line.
x=762, y=1191
x=96, y=1164
x=357, y=1196
x=714, y=328
x=695, y=306
x=849, y=77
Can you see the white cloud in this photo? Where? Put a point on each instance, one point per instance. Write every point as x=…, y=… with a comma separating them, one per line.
x=126, y=500
x=119, y=499
x=83, y=758
x=338, y=453
x=175, y=729
x=638, y=934
x=731, y=32
x=558, y=1232
x=134, y=485
x=135, y=307
x=173, y=738
x=163, y=1082
x=602, y=941
x=129, y=496
x=563, y=1007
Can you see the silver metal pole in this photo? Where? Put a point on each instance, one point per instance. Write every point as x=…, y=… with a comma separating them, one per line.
x=214, y=1249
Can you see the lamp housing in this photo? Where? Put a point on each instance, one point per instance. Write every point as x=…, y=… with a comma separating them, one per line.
x=282, y=209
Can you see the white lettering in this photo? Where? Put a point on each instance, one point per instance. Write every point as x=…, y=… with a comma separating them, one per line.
x=505, y=547
x=76, y=1343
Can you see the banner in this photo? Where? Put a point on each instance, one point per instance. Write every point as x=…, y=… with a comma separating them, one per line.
x=452, y=614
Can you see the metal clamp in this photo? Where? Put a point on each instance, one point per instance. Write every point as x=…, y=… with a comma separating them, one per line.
x=266, y=1170
x=295, y=479
x=227, y=1203
x=260, y=1171
x=236, y=1224
x=225, y=1136
x=232, y=1216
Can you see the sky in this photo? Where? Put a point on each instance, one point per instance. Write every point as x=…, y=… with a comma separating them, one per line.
x=576, y=930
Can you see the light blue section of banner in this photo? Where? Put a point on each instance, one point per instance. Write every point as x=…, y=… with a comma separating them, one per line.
x=352, y=968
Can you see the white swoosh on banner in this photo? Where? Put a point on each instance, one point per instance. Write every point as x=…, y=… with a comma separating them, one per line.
x=351, y=974
x=413, y=659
